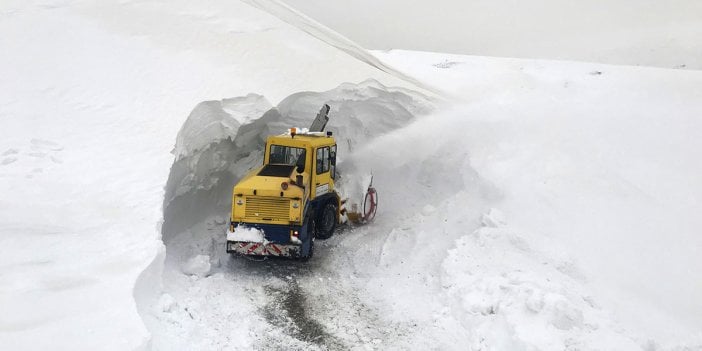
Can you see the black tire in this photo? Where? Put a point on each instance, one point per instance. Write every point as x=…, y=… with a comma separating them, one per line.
x=311, y=231
x=326, y=221
x=309, y=253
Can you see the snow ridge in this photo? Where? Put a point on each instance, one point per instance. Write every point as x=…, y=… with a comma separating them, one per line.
x=308, y=25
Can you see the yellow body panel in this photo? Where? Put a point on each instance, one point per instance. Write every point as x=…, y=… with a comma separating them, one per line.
x=262, y=199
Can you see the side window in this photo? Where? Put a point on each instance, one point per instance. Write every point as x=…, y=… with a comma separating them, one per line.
x=322, y=164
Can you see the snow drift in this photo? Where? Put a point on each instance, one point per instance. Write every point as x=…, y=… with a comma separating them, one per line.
x=595, y=165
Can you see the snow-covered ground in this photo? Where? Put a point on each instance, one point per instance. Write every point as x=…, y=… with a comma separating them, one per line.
x=602, y=158
x=593, y=164
x=551, y=205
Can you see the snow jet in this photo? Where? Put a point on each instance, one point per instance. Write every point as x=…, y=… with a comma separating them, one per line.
x=218, y=144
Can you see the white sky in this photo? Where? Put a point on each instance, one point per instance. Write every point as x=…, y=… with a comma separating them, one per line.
x=659, y=33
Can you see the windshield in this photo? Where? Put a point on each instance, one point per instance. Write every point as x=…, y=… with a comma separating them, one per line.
x=286, y=155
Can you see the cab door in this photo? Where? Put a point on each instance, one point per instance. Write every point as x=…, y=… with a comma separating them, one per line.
x=322, y=172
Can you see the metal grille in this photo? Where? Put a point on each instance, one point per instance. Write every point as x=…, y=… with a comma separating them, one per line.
x=268, y=208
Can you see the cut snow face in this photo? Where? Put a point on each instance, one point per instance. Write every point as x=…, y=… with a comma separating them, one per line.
x=219, y=143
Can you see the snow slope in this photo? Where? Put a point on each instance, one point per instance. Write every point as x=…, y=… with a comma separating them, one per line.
x=92, y=96
x=596, y=163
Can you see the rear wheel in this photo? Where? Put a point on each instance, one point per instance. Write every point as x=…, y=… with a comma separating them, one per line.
x=326, y=221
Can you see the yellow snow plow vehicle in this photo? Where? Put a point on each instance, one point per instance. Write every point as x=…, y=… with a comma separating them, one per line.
x=279, y=208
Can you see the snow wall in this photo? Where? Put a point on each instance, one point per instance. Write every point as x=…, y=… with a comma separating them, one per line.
x=223, y=140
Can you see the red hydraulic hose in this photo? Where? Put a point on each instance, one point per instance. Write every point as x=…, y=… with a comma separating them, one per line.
x=370, y=205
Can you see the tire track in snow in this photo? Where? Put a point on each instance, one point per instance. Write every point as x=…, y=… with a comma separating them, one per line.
x=308, y=306
x=288, y=310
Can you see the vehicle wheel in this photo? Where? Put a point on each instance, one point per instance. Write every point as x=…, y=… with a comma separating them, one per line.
x=310, y=252
x=326, y=221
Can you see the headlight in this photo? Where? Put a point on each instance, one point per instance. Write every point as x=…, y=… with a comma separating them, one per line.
x=295, y=204
x=239, y=201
